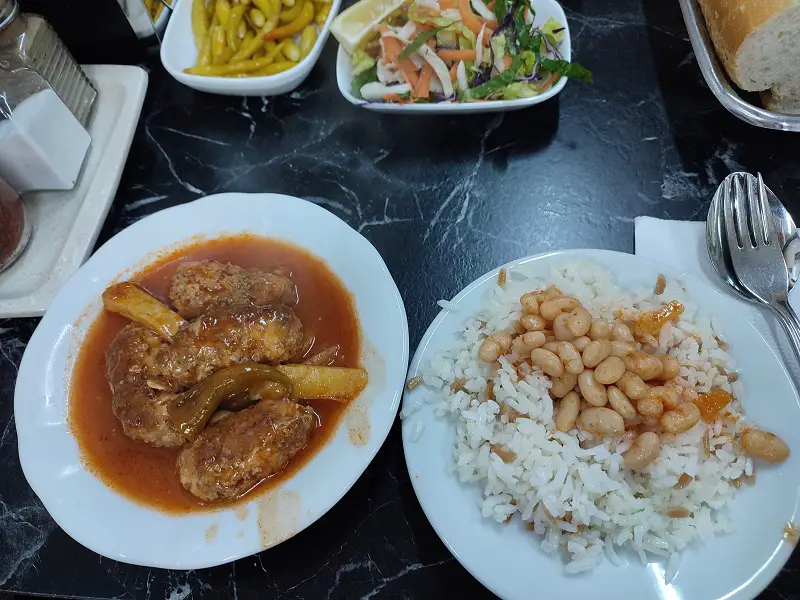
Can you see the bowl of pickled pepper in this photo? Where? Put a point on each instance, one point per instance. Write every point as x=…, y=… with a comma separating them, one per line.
x=246, y=47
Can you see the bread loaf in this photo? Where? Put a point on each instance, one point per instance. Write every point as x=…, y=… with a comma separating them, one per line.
x=758, y=42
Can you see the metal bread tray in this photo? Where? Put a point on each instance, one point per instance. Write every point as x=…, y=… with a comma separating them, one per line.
x=717, y=78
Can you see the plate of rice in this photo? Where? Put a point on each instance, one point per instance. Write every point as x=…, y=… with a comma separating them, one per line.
x=590, y=424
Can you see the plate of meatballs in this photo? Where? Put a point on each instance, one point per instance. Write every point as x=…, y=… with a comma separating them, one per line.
x=211, y=381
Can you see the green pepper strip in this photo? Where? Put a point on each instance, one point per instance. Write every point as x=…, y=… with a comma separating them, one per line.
x=233, y=387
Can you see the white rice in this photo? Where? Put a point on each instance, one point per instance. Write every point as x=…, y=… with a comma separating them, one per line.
x=581, y=502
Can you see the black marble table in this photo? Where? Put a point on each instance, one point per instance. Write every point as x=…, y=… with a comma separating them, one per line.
x=443, y=199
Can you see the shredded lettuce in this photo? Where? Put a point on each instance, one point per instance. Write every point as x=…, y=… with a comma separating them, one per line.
x=466, y=39
x=498, y=44
x=362, y=62
x=519, y=89
x=365, y=77
x=527, y=63
x=553, y=28
x=446, y=38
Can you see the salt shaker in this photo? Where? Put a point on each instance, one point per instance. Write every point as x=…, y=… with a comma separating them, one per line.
x=45, y=104
x=15, y=228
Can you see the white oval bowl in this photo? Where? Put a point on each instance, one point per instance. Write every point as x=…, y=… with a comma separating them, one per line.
x=179, y=52
x=545, y=9
x=112, y=525
x=508, y=559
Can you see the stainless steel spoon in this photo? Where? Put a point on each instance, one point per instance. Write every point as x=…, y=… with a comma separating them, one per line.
x=717, y=242
x=756, y=253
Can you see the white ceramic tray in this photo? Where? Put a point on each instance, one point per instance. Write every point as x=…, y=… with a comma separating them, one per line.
x=66, y=224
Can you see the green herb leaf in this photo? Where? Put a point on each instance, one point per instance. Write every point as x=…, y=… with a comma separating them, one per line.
x=418, y=41
x=525, y=40
x=501, y=10
x=497, y=83
x=362, y=79
x=567, y=69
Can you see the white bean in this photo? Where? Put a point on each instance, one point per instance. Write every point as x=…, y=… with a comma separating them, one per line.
x=579, y=322
x=533, y=322
x=569, y=355
x=620, y=403
x=504, y=339
x=764, y=445
x=593, y=392
x=681, y=419
x=650, y=406
x=600, y=330
x=644, y=449
x=633, y=386
x=561, y=329
x=550, y=293
x=670, y=367
x=563, y=385
x=547, y=361
x=668, y=395
x=621, y=333
x=489, y=350
x=581, y=342
x=610, y=370
x=550, y=309
x=530, y=306
x=595, y=352
x=622, y=349
x=644, y=365
x=534, y=339
x=601, y=421
x=567, y=412
x=551, y=345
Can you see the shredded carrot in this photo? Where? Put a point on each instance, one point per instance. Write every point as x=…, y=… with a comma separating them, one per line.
x=423, y=88
x=453, y=72
x=507, y=60
x=393, y=47
x=490, y=6
x=395, y=98
x=553, y=79
x=457, y=54
x=471, y=21
x=445, y=4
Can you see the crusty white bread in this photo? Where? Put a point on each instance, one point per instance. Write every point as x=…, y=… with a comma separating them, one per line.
x=758, y=42
x=781, y=104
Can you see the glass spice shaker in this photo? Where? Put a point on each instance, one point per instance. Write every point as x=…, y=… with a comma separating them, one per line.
x=33, y=58
x=15, y=228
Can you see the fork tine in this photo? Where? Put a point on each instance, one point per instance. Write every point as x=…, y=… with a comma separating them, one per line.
x=740, y=211
x=727, y=209
x=762, y=221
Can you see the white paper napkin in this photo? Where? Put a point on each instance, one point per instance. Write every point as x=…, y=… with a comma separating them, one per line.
x=682, y=246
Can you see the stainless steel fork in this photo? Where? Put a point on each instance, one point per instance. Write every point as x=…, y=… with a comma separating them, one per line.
x=755, y=252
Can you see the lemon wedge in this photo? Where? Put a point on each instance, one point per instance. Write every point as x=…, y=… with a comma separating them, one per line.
x=353, y=25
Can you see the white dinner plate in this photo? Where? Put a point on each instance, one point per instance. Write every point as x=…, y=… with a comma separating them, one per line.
x=116, y=527
x=545, y=9
x=507, y=558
